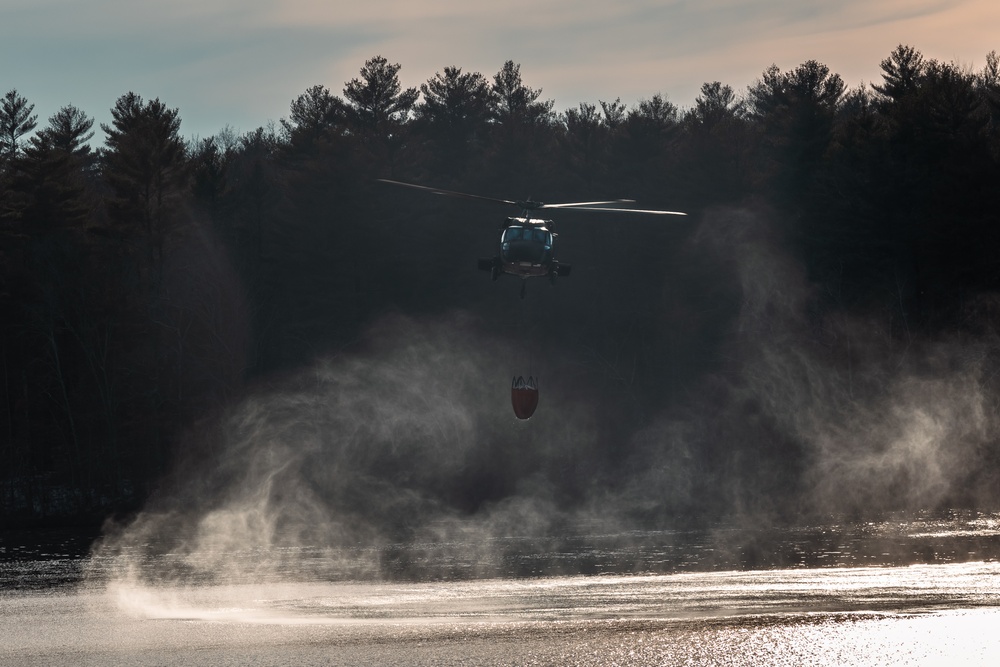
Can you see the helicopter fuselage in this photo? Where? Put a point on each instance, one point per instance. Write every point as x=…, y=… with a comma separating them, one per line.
x=527, y=247
x=527, y=250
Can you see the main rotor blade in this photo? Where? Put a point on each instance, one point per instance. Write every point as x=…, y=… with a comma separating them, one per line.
x=622, y=210
x=532, y=205
x=447, y=193
x=588, y=203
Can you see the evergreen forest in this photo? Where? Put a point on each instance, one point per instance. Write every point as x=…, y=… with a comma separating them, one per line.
x=840, y=256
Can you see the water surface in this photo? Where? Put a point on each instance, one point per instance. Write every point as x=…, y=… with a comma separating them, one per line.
x=923, y=590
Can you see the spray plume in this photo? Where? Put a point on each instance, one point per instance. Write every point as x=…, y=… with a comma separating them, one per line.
x=404, y=457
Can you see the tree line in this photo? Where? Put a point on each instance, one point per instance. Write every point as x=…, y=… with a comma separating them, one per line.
x=146, y=283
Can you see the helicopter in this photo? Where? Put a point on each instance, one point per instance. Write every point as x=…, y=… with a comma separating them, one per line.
x=527, y=244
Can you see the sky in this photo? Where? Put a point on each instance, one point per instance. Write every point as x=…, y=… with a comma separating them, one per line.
x=240, y=63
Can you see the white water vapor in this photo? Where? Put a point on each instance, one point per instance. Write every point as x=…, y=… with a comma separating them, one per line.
x=402, y=458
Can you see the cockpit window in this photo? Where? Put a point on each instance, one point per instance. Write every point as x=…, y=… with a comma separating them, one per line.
x=533, y=235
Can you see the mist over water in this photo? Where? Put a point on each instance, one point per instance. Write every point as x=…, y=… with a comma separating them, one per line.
x=360, y=452
x=885, y=419
x=403, y=457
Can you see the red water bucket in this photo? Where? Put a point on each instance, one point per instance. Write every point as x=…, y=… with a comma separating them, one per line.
x=524, y=396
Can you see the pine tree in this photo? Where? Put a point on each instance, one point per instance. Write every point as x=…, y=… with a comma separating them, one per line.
x=377, y=103
x=454, y=115
x=144, y=163
x=50, y=179
x=16, y=121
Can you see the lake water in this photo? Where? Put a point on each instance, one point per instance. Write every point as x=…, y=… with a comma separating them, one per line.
x=919, y=590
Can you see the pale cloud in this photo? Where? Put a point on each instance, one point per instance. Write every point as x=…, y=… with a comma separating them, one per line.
x=506, y=16
x=585, y=51
x=959, y=31
x=633, y=50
